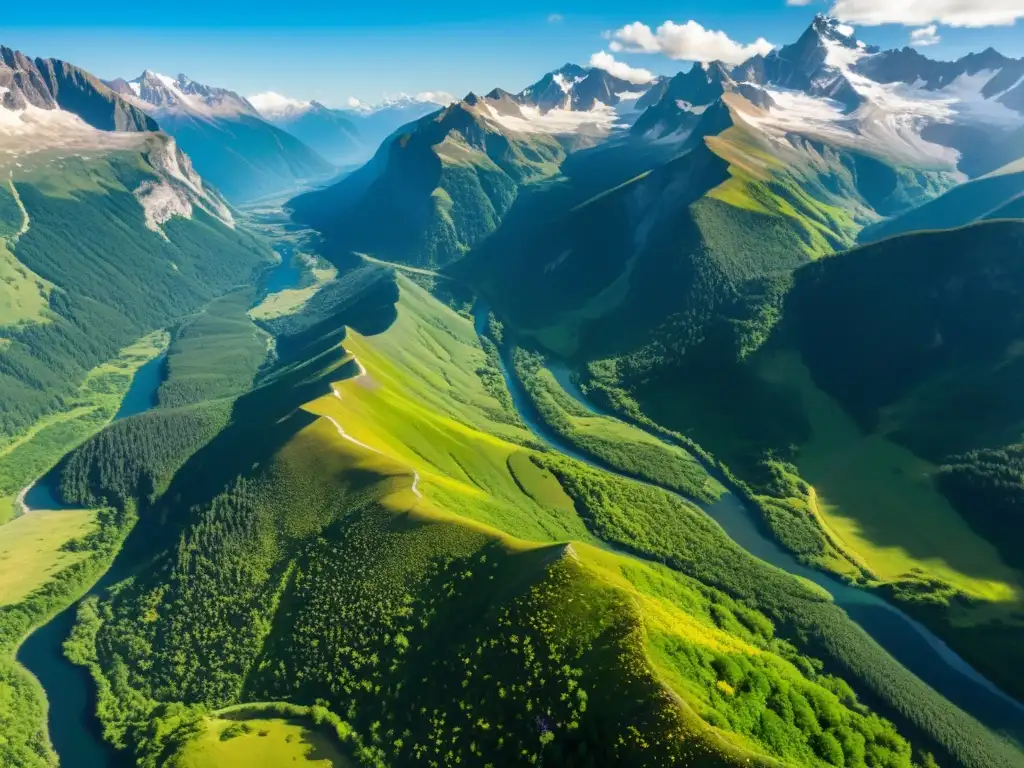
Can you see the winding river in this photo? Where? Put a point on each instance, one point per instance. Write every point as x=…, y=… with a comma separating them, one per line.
x=908, y=641
x=74, y=728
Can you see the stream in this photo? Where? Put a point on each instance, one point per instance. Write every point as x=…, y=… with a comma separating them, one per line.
x=908, y=641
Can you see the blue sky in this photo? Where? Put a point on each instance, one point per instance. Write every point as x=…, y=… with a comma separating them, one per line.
x=332, y=50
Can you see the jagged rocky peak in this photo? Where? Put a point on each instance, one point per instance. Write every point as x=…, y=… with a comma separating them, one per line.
x=830, y=28
x=183, y=94
x=53, y=84
x=816, y=63
x=581, y=89
x=503, y=103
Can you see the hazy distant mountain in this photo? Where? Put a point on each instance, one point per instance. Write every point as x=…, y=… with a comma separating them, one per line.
x=376, y=122
x=331, y=132
x=998, y=195
x=350, y=135
x=231, y=144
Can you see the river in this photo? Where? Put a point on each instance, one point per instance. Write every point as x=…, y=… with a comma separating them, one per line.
x=73, y=725
x=908, y=641
x=75, y=730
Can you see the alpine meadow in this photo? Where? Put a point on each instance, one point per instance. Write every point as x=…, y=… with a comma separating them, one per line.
x=663, y=409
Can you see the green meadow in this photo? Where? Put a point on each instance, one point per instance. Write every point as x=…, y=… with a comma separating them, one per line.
x=32, y=549
x=260, y=743
x=882, y=503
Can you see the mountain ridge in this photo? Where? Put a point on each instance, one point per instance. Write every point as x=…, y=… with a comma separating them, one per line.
x=230, y=143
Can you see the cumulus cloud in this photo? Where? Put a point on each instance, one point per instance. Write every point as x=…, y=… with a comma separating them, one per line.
x=556, y=18
x=689, y=41
x=620, y=69
x=354, y=103
x=443, y=98
x=919, y=13
x=925, y=36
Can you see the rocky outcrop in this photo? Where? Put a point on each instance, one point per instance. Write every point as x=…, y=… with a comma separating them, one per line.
x=54, y=84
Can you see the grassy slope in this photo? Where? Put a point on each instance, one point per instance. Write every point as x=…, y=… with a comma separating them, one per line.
x=31, y=549
x=582, y=638
x=881, y=501
x=24, y=296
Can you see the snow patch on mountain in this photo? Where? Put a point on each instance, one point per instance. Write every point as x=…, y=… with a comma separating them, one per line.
x=159, y=93
x=402, y=100
x=887, y=119
x=33, y=129
x=965, y=96
x=599, y=121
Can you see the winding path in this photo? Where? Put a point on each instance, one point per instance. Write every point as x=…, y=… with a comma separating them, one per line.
x=341, y=431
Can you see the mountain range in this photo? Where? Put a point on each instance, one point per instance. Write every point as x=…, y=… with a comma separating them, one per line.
x=825, y=124
x=231, y=144
x=151, y=237
x=597, y=423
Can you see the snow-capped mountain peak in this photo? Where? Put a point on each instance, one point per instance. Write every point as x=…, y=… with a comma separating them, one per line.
x=573, y=88
x=164, y=94
x=830, y=28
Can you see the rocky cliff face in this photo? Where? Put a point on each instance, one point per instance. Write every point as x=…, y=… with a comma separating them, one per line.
x=52, y=84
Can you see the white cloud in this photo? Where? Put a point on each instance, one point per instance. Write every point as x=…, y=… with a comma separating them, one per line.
x=556, y=18
x=353, y=103
x=620, y=69
x=925, y=36
x=270, y=104
x=442, y=98
x=918, y=13
x=799, y=2
x=689, y=41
